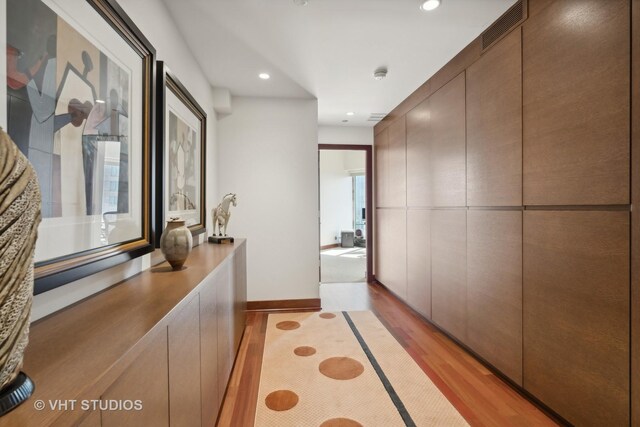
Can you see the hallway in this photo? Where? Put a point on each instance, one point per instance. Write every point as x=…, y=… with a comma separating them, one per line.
x=480, y=396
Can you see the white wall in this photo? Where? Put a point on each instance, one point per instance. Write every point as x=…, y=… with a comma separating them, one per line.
x=153, y=19
x=358, y=135
x=355, y=161
x=269, y=157
x=336, y=192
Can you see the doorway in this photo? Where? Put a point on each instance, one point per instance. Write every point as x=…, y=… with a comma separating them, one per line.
x=345, y=181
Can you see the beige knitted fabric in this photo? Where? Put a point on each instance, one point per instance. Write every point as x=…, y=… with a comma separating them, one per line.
x=19, y=219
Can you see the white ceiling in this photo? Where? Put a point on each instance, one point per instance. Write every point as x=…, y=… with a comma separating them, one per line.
x=329, y=48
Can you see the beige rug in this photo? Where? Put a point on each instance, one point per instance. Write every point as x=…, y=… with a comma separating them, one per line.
x=342, y=265
x=343, y=369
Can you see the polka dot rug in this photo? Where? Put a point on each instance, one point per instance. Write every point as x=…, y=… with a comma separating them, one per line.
x=343, y=370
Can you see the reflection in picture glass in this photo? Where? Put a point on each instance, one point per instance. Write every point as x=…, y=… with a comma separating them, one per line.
x=182, y=166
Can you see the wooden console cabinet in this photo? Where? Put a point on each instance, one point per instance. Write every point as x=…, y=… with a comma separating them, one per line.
x=159, y=347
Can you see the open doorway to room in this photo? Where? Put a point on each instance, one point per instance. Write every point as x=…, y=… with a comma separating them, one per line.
x=345, y=203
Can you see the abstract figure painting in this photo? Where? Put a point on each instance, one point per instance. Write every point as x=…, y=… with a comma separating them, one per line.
x=181, y=157
x=180, y=150
x=75, y=106
x=71, y=106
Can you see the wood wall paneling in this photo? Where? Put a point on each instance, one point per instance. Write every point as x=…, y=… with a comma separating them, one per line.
x=209, y=353
x=536, y=6
x=418, y=139
x=459, y=63
x=494, y=288
x=147, y=380
x=576, y=314
x=391, y=244
x=447, y=147
x=494, y=125
x=635, y=213
x=419, y=260
x=381, y=147
x=541, y=118
x=576, y=103
x=396, y=172
x=448, y=271
x=184, y=366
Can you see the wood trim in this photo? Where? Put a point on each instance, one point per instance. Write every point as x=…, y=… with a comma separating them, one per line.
x=167, y=81
x=635, y=213
x=309, y=304
x=325, y=247
x=368, y=149
x=344, y=147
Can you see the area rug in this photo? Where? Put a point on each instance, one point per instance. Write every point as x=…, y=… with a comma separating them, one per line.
x=343, y=265
x=343, y=369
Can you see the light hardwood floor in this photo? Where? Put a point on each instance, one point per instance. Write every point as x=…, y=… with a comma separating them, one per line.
x=479, y=395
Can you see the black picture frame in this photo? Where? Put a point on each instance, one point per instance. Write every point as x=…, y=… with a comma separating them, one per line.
x=58, y=271
x=166, y=80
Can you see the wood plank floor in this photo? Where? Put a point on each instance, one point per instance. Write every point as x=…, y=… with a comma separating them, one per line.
x=479, y=395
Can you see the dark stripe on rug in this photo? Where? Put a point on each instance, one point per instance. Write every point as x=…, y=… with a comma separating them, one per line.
x=408, y=421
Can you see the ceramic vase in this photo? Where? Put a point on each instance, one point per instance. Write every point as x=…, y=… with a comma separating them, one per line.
x=176, y=243
x=19, y=219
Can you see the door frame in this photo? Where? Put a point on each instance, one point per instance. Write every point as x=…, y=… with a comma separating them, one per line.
x=368, y=149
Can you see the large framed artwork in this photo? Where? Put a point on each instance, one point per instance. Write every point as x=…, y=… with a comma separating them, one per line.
x=180, y=155
x=77, y=98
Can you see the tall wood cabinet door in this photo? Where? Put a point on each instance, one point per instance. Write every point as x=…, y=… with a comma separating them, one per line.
x=494, y=125
x=396, y=191
x=381, y=147
x=576, y=314
x=146, y=380
x=419, y=260
x=225, y=326
x=209, y=352
x=418, y=138
x=184, y=366
x=448, y=271
x=635, y=214
x=576, y=89
x=494, y=288
x=240, y=296
x=447, y=147
x=391, y=244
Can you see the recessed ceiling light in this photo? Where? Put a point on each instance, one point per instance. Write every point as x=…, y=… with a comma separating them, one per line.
x=264, y=76
x=429, y=4
x=350, y=113
x=301, y=2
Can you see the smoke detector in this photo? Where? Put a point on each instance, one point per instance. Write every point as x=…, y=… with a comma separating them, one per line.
x=380, y=73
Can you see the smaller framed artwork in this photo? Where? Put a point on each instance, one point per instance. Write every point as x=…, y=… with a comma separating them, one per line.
x=180, y=155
